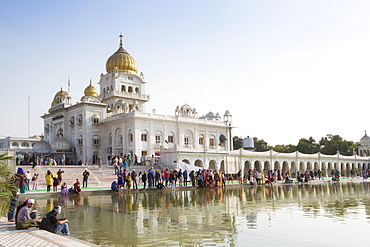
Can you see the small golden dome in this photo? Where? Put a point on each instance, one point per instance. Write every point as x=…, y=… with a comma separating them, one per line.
x=91, y=90
x=121, y=60
x=58, y=98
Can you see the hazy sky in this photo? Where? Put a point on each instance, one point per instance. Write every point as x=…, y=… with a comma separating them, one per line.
x=284, y=69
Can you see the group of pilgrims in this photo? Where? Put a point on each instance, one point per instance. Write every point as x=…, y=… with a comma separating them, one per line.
x=169, y=178
x=202, y=178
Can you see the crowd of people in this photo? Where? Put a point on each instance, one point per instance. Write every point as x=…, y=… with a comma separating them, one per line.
x=155, y=178
x=26, y=181
x=41, y=160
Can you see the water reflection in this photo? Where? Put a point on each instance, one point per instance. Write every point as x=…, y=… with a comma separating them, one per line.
x=221, y=217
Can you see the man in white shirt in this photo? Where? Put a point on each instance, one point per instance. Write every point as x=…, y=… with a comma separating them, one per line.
x=24, y=220
x=28, y=179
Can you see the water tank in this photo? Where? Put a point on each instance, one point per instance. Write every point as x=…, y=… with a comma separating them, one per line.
x=248, y=143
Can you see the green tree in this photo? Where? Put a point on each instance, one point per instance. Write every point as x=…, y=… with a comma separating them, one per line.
x=290, y=148
x=7, y=191
x=260, y=145
x=308, y=146
x=333, y=143
x=237, y=142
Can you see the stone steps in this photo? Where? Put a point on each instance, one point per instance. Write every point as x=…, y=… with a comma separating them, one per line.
x=99, y=177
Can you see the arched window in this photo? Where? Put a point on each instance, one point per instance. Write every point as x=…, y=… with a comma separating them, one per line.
x=80, y=140
x=96, y=140
x=130, y=89
x=158, y=137
x=123, y=88
x=144, y=136
x=212, y=141
x=15, y=144
x=188, y=139
x=79, y=119
x=170, y=138
x=72, y=121
x=201, y=140
x=95, y=119
x=137, y=90
x=130, y=136
x=25, y=144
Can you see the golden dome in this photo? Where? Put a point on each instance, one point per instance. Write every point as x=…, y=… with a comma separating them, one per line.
x=91, y=90
x=58, y=98
x=121, y=60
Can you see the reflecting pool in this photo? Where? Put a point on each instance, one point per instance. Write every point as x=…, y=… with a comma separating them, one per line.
x=286, y=215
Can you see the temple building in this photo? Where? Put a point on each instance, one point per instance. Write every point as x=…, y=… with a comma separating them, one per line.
x=112, y=120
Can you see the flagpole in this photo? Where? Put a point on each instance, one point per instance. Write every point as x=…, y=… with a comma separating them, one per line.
x=69, y=85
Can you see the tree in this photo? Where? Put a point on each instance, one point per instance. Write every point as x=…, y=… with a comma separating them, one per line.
x=7, y=190
x=308, y=146
x=290, y=148
x=331, y=144
x=260, y=145
x=237, y=142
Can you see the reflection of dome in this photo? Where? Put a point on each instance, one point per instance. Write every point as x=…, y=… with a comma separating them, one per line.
x=121, y=60
x=42, y=147
x=61, y=144
x=365, y=140
x=91, y=90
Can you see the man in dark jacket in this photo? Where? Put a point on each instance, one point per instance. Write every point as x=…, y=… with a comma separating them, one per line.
x=134, y=180
x=51, y=223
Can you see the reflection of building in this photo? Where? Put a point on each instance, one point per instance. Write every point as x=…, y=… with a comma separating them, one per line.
x=113, y=121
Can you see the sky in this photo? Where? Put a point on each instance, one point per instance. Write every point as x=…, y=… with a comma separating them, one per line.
x=284, y=69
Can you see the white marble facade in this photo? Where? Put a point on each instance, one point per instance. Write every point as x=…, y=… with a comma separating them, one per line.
x=113, y=121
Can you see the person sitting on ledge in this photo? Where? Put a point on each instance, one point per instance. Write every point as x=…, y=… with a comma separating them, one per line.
x=114, y=186
x=288, y=180
x=335, y=179
x=52, y=224
x=268, y=182
x=76, y=187
x=24, y=220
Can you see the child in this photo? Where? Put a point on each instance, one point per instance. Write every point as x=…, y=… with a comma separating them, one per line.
x=55, y=184
x=64, y=189
x=35, y=180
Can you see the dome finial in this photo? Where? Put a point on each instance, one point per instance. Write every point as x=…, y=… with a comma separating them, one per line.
x=120, y=40
x=365, y=133
x=91, y=90
x=121, y=60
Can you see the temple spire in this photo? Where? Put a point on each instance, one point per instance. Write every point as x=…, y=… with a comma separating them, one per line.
x=120, y=40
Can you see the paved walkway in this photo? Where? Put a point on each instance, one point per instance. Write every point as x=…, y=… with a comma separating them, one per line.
x=10, y=236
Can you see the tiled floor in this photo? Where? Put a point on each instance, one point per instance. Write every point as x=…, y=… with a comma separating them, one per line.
x=15, y=238
x=10, y=236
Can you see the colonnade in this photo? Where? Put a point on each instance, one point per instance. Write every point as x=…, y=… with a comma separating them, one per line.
x=293, y=162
